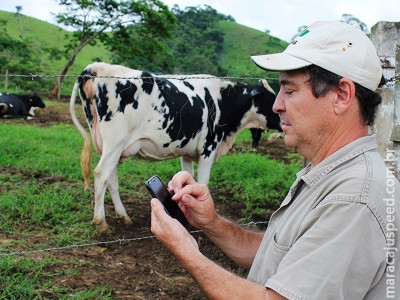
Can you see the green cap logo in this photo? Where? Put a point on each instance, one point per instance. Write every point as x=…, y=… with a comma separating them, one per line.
x=304, y=33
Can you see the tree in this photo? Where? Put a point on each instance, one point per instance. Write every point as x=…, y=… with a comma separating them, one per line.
x=19, y=56
x=139, y=48
x=350, y=19
x=197, y=40
x=101, y=20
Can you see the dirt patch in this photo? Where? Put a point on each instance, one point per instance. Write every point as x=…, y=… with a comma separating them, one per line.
x=137, y=269
x=137, y=266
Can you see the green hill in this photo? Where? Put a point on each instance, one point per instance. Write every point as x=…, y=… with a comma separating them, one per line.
x=48, y=35
x=240, y=42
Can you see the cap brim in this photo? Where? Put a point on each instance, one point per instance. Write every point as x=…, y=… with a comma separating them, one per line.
x=279, y=62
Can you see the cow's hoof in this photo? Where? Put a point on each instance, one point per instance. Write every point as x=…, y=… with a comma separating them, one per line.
x=126, y=220
x=102, y=227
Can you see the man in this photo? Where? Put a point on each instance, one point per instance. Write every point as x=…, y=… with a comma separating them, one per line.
x=335, y=234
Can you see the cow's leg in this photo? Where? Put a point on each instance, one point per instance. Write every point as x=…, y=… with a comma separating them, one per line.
x=187, y=165
x=256, y=134
x=119, y=207
x=204, y=169
x=102, y=174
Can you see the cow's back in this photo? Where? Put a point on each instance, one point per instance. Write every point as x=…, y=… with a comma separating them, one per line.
x=11, y=99
x=17, y=105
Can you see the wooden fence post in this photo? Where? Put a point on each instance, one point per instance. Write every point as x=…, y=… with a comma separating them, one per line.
x=6, y=81
x=386, y=38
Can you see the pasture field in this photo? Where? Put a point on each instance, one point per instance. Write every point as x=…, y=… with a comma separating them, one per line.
x=49, y=248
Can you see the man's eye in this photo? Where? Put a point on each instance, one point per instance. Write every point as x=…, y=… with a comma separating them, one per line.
x=288, y=92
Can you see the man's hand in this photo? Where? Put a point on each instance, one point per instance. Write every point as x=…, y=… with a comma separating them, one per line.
x=194, y=199
x=169, y=231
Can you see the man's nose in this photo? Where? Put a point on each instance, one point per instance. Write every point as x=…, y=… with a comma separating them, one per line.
x=279, y=103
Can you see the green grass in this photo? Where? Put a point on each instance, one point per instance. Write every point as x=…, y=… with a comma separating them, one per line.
x=50, y=150
x=44, y=189
x=21, y=277
x=26, y=278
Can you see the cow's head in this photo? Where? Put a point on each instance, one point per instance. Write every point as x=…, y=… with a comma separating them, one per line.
x=36, y=101
x=263, y=97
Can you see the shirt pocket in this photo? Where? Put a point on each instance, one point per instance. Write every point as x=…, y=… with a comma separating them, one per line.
x=276, y=253
x=277, y=247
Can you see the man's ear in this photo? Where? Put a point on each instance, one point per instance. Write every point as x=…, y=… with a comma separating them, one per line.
x=345, y=96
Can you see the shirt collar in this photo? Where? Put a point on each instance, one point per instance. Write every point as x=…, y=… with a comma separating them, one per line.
x=311, y=175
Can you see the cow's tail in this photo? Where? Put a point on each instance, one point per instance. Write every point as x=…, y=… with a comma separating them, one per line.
x=86, y=154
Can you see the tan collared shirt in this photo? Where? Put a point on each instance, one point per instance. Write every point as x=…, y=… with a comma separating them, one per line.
x=335, y=235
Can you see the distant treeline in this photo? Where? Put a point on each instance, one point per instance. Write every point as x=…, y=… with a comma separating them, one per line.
x=194, y=48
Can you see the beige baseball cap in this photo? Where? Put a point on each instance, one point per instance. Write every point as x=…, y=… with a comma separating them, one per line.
x=336, y=46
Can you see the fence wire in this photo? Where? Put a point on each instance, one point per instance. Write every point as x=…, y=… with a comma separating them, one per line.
x=165, y=76
x=393, y=79
x=99, y=243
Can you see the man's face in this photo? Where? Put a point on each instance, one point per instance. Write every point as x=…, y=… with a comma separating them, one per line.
x=307, y=121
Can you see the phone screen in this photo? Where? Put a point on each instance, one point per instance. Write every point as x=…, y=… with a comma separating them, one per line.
x=159, y=191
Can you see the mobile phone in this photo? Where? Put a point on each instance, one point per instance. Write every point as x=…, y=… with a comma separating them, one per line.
x=158, y=190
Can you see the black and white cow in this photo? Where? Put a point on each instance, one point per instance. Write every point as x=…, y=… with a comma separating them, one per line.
x=19, y=106
x=159, y=117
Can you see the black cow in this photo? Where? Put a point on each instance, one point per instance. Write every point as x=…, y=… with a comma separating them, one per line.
x=19, y=106
x=158, y=117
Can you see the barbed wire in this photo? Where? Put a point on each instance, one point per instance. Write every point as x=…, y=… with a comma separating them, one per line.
x=393, y=79
x=120, y=241
x=75, y=246
x=165, y=76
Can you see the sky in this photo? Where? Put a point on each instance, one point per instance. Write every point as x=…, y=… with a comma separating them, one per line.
x=281, y=18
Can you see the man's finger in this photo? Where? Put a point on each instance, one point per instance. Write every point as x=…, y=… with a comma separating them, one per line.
x=157, y=208
x=158, y=214
x=179, y=180
x=194, y=190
